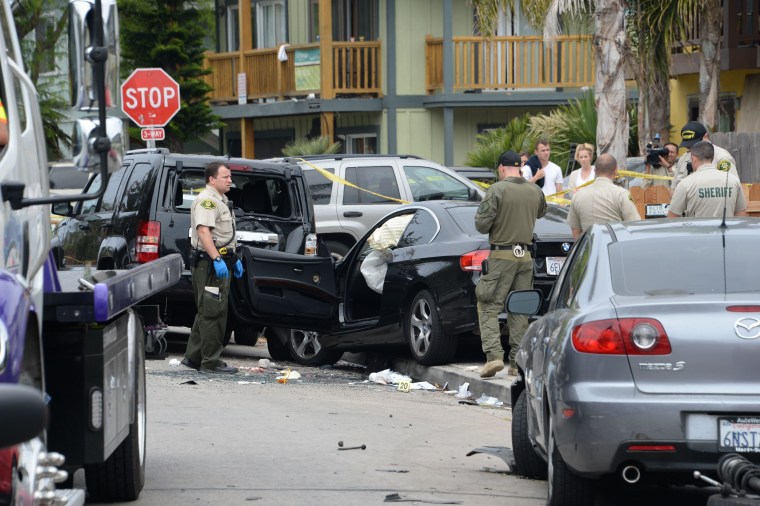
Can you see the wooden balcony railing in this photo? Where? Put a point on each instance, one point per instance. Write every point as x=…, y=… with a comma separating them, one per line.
x=512, y=62
x=356, y=70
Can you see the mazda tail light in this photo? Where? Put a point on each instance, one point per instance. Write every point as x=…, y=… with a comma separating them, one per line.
x=472, y=261
x=631, y=336
x=148, y=241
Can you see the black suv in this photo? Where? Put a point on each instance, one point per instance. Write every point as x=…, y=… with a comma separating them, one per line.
x=144, y=214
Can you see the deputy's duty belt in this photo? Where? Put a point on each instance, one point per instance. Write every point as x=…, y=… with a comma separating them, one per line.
x=518, y=250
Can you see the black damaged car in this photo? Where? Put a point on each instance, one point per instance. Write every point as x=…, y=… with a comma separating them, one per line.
x=411, y=279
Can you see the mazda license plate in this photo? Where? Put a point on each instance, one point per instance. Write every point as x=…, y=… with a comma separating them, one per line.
x=739, y=434
x=554, y=265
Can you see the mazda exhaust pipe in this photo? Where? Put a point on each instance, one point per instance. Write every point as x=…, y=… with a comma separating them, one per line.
x=631, y=474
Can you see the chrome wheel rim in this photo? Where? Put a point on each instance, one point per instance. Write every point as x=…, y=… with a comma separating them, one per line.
x=305, y=343
x=420, y=326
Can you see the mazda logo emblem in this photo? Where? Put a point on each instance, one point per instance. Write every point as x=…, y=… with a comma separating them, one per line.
x=747, y=328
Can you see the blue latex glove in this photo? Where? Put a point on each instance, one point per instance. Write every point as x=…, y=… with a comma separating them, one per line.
x=221, y=269
x=237, y=270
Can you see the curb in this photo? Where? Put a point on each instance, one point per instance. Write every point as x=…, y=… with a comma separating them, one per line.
x=458, y=374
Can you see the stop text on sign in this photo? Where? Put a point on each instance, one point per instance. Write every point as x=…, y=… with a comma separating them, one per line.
x=149, y=98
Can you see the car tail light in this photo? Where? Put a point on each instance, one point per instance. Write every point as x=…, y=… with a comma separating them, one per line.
x=310, y=246
x=472, y=261
x=632, y=336
x=148, y=240
x=743, y=309
x=651, y=448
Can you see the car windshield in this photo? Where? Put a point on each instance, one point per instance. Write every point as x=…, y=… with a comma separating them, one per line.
x=552, y=223
x=686, y=265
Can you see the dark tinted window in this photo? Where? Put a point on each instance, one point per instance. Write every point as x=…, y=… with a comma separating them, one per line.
x=702, y=265
x=136, y=187
x=381, y=180
x=67, y=177
x=552, y=223
x=88, y=206
x=421, y=230
x=108, y=203
x=428, y=183
x=319, y=185
x=573, y=276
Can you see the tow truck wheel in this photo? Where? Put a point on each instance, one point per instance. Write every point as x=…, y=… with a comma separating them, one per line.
x=122, y=476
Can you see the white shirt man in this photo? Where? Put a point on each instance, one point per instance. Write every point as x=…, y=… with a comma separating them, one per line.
x=549, y=171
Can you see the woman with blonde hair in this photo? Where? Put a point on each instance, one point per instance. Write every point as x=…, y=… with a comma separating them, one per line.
x=584, y=153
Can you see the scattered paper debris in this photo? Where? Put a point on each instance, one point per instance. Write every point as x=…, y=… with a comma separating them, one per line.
x=423, y=385
x=489, y=402
x=388, y=377
x=288, y=375
x=463, y=391
x=174, y=362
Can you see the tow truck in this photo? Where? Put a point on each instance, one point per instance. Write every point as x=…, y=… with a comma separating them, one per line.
x=76, y=336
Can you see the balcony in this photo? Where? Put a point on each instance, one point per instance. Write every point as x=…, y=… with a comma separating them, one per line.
x=514, y=62
x=356, y=71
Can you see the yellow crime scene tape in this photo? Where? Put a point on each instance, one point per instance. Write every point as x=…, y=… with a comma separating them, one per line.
x=333, y=177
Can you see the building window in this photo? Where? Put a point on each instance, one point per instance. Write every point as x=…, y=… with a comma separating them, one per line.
x=363, y=144
x=233, y=27
x=313, y=20
x=726, y=111
x=271, y=23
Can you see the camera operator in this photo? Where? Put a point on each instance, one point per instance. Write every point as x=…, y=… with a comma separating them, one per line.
x=708, y=192
x=663, y=166
x=691, y=133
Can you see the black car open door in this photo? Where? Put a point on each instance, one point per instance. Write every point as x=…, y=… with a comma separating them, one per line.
x=286, y=290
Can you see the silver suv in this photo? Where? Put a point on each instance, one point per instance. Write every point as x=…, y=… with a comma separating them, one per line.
x=344, y=214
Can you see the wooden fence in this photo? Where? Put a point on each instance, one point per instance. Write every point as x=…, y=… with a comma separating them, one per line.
x=744, y=146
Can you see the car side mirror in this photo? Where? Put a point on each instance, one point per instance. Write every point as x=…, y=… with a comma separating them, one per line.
x=30, y=414
x=62, y=209
x=474, y=196
x=527, y=302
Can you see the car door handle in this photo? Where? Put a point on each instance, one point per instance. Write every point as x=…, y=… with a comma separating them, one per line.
x=352, y=214
x=298, y=270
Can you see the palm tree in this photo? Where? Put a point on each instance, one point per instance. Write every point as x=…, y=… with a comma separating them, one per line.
x=711, y=23
x=610, y=43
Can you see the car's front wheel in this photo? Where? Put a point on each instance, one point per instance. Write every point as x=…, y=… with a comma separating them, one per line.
x=305, y=349
x=527, y=462
x=427, y=340
x=565, y=488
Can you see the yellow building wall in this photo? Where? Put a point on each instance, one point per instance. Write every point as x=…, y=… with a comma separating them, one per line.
x=687, y=86
x=414, y=21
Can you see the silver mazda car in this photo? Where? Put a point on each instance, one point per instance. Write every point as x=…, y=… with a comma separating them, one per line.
x=646, y=366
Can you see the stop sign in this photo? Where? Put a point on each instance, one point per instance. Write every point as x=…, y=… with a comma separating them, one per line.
x=150, y=97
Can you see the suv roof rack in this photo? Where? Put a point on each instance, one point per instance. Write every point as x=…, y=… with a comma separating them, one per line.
x=347, y=156
x=163, y=151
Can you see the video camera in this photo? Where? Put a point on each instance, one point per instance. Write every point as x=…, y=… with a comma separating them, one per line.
x=655, y=151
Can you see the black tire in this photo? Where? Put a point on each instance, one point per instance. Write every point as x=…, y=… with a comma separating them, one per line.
x=247, y=336
x=718, y=500
x=122, y=476
x=276, y=348
x=424, y=333
x=337, y=249
x=305, y=349
x=565, y=488
x=528, y=463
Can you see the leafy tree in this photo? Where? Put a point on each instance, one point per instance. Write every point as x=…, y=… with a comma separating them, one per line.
x=170, y=34
x=315, y=146
x=515, y=136
x=39, y=40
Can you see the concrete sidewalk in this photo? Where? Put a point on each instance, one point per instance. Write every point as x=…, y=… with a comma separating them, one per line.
x=457, y=374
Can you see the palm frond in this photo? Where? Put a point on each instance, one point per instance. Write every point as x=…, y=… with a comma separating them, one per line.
x=315, y=146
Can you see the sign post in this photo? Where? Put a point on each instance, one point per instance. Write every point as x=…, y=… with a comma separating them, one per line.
x=150, y=98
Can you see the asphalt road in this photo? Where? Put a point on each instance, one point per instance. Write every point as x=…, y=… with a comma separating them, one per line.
x=247, y=439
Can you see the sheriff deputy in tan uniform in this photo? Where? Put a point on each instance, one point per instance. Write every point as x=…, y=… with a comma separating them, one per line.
x=602, y=201
x=691, y=133
x=707, y=191
x=212, y=256
x=508, y=214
